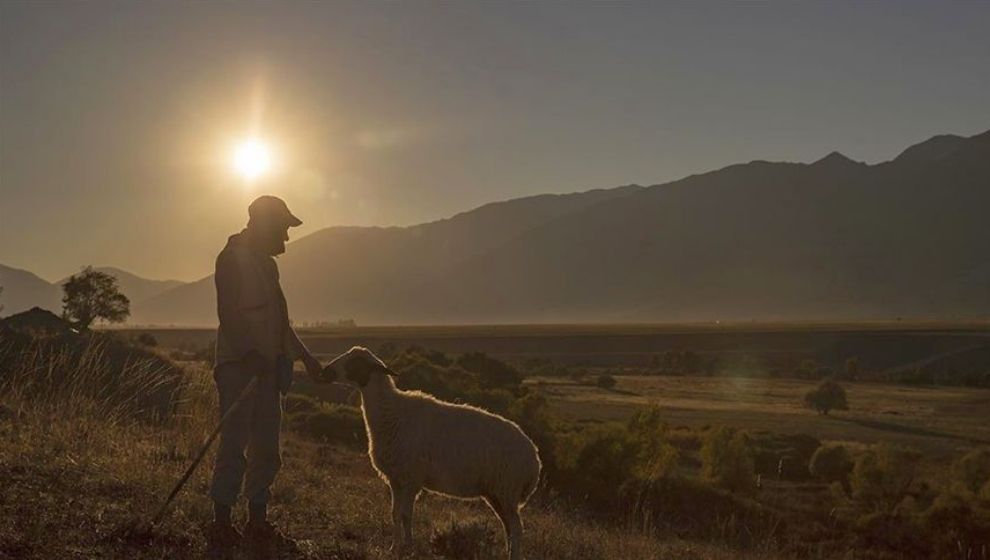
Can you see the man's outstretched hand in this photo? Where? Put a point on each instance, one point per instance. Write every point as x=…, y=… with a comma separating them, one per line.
x=313, y=367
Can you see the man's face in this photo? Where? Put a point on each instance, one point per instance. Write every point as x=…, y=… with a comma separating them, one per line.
x=279, y=236
x=274, y=236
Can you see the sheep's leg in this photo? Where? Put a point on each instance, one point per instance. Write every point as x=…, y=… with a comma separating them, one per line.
x=408, y=503
x=397, y=541
x=403, y=500
x=508, y=514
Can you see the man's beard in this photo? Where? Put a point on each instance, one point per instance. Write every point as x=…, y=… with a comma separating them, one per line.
x=277, y=249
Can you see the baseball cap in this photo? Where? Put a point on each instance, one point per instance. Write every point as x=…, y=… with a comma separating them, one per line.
x=272, y=208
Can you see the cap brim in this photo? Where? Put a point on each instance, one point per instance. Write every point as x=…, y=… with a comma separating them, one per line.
x=293, y=221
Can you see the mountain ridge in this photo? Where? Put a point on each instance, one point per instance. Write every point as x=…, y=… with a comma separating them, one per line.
x=832, y=239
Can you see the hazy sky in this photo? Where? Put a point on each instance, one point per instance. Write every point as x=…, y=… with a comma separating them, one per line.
x=117, y=119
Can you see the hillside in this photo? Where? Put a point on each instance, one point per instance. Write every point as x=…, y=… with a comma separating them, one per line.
x=24, y=290
x=831, y=240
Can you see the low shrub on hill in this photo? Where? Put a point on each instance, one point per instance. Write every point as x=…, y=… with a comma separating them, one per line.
x=331, y=423
x=56, y=366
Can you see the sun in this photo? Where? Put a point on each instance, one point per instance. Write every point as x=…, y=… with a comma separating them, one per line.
x=252, y=158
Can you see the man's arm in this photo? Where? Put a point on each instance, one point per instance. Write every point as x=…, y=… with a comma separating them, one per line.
x=298, y=351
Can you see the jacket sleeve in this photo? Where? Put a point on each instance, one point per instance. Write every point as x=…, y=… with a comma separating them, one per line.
x=233, y=326
x=297, y=350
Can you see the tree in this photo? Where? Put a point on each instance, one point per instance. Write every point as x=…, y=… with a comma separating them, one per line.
x=832, y=463
x=727, y=460
x=92, y=295
x=1, y=293
x=606, y=381
x=829, y=395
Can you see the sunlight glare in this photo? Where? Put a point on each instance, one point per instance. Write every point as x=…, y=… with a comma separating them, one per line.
x=252, y=159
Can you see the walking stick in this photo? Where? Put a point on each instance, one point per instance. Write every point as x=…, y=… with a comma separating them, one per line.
x=202, y=452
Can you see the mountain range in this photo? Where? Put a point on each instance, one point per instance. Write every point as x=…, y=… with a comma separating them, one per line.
x=24, y=290
x=834, y=239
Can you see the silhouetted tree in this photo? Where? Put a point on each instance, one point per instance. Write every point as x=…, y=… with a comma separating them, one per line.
x=92, y=295
x=1, y=293
x=829, y=395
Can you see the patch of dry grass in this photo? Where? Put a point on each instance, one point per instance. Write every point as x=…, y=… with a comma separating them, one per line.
x=74, y=475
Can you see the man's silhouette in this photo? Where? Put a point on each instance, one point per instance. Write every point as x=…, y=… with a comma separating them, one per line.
x=254, y=339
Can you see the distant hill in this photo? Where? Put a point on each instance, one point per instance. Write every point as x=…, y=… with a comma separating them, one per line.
x=835, y=239
x=24, y=290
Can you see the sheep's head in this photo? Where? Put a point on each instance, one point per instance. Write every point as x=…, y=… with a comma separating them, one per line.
x=357, y=366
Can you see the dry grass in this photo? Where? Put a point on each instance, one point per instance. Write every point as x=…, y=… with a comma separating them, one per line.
x=76, y=471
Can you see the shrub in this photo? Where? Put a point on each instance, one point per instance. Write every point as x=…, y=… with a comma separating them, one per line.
x=956, y=526
x=727, y=460
x=473, y=540
x=147, y=339
x=829, y=395
x=783, y=456
x=832, y=463
x=605, y=381
x=333, y=424
x=491, y=372
x=882, y=476
x=694, y=509
x=972, y=471
x=605, y=458
x=296, y=403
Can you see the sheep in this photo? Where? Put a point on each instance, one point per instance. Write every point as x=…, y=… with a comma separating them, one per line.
x=417, y=442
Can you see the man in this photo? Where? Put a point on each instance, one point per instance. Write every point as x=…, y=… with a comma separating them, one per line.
x=254, y=340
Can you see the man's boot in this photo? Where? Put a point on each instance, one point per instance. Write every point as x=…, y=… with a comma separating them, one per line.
x=263, y=539
x=222, y=539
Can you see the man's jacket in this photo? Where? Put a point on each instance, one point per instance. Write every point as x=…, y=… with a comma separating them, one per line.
x=251, y=306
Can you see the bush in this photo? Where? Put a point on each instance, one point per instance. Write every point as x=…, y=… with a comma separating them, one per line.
x=693, y=509
x=473, y=540
x=492, y=373
x=882, y=477
x=295, y=403
x=605, y=381
x=957, y=526
x=972, y=471
x=826, y=397
x=333, y=424
x=832, y=463
x=727, y=460
x=147, y=339
x=783, y=456
x=603, y=459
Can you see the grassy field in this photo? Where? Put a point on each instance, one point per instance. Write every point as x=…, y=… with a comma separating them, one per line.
x=74, y=476
x=940, y=421
x=73, y=481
